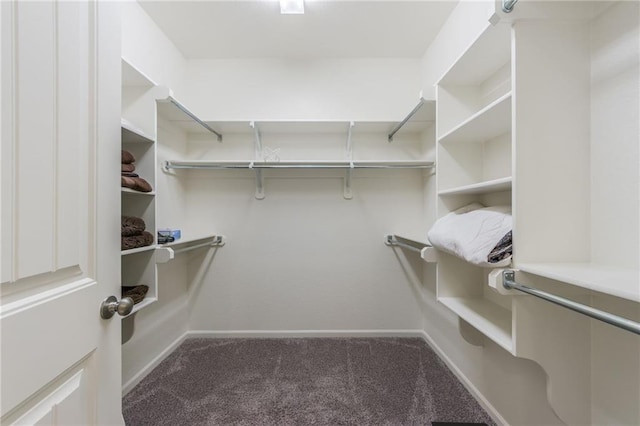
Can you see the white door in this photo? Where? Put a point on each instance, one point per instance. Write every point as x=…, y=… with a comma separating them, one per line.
x=60, y=362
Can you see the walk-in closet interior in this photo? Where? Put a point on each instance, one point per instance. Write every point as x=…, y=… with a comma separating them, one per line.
x=445, y=184
x=304, y=186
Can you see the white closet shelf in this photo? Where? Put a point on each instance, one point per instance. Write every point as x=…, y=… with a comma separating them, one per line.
x=618, y=282
x=492, y=320
x=491, y=121
x=490, y=51
x=143, y=304
x=298, y=165
x=132, y=134
x=419, y=122
x=133, y=192
x=138, y=250
x=495, y=185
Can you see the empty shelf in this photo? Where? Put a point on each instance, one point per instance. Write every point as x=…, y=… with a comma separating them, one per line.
x=492, y=320
x=486, y=124
x=623, y=283
x=131, y=134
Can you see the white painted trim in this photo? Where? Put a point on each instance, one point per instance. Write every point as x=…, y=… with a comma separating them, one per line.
x=303, y=333
x=137, y=378
x=488, y=407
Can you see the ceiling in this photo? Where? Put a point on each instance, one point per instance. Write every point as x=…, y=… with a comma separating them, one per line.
x=248, y=29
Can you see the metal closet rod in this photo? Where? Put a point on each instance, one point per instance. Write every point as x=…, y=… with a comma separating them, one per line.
x=507, y=5
x=509, y=283
x=266, y=165
x=194, y=118
x=217, y=241
x=392, y=240
x=407, y=118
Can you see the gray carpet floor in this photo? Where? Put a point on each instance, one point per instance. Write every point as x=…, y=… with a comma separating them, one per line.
x=319, y=381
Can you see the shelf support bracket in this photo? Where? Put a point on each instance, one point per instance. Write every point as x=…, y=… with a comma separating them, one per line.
x=259, y=182
x=347, y=194
x=257, y=140
x=349, y=147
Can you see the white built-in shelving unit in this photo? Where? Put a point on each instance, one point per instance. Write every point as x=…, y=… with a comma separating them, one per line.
x=474, y=156
x=137, y=136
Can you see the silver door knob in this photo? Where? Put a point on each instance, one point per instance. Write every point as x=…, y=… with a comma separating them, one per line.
x=111, y=305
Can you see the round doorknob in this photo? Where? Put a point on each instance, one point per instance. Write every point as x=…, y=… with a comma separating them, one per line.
x=111, y=305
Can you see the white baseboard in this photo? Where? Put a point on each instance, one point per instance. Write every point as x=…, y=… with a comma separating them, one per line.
x=468, y=384
x=304, y=333
x=131, y=383
x=319, y=333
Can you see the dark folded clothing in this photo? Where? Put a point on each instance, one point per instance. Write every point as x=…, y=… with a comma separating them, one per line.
x=129, y=174
x=127, y=168
x=137, y=293
x=127, y=157
x=502, y=250
x=131, y=225
x=136, y=241
x=135, y=183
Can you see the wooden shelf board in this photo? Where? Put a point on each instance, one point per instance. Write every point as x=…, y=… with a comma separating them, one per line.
x=145, y=302
x=131, y=191
x=131, y=134
x=491, y=121
x=490, y=51
x=490, y=319
x=138, y=250
x=495, y=185
x=618, y=282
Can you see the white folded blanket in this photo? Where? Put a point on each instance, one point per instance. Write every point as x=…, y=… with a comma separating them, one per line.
x=472, y=232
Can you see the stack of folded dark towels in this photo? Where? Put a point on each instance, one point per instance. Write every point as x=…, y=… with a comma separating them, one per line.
x=137, y=293
x=133, y=233
x=128, y=178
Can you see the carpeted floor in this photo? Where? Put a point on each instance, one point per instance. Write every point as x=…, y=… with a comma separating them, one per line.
x=319, y=381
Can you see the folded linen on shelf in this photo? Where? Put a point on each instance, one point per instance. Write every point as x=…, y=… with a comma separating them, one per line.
x=129, y=174
x=127, y=157
x=136, y=241
x=137, y=293
x=131, y=225
x=135, y=183
x=128, y=168
x=480, y=235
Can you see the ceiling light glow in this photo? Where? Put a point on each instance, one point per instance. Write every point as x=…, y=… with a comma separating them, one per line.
x=291, y=7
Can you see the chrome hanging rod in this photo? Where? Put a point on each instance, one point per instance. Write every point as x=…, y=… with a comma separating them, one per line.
x=298, y=165
x=507, y=5
x=407, y=118
x=509, y=283
x=392, y=240
x=194, y=118
x=217, y=241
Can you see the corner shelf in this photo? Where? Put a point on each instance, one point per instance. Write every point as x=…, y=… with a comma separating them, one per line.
x=492, y=320
x=618, y=282
x=495, y=185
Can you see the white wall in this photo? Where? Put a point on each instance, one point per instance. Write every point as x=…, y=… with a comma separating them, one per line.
x=303, y=89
